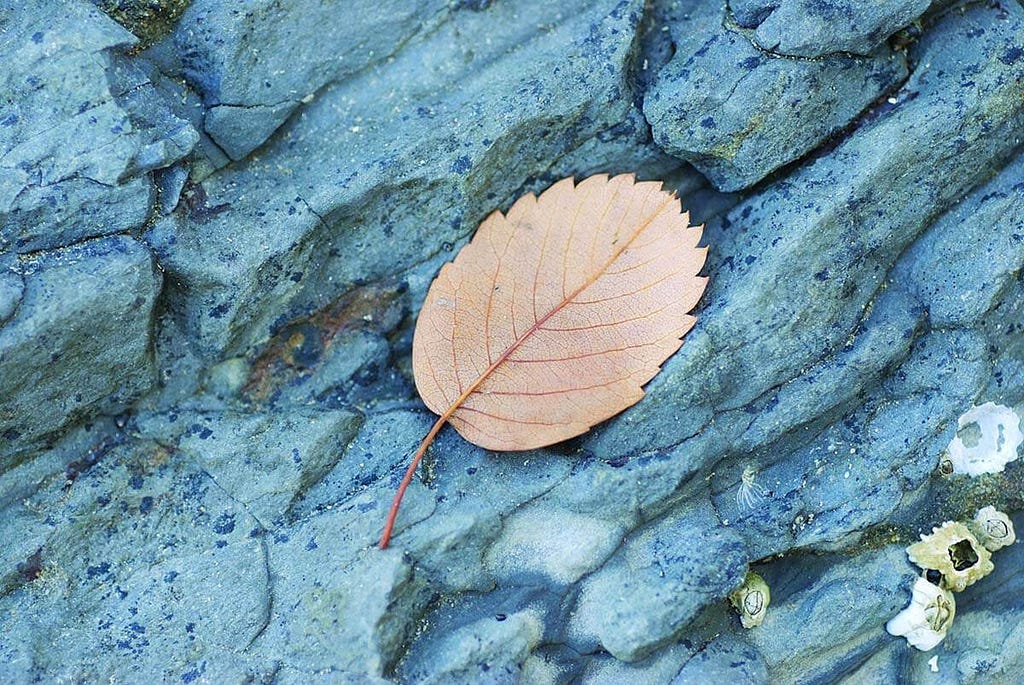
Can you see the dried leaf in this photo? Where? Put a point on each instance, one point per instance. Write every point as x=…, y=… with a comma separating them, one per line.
x=555, y=315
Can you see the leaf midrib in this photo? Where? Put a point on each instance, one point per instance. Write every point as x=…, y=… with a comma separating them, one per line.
x=472, y=387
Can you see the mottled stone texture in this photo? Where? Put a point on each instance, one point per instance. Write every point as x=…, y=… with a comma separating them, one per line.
x=812, y=28
x=213, y=247
x=737, y=112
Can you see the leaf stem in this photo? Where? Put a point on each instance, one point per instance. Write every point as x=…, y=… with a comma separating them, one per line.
x=409, y=472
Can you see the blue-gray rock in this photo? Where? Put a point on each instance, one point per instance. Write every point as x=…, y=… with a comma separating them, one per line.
x=834, y=485
x=551, y=541
x=347, y=615
x=884, y=666
x=661, y=667
x=813, y=28
x=824, y=240
x=255, y=63
x=330, y=358
x=458, y=516
x=283, y=457
x=80, y=341
x=737, y=114
x=969, y=262
x=140, y=564
x=239, y=130
x=728, y=659
x=657, y=583
x=80, y=130
x=372, y=190
x=11, y=288
x=213, y=515
x=480, y=642
x=826, y=617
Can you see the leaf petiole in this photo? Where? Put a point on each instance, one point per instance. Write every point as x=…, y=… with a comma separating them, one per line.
x=409, y=472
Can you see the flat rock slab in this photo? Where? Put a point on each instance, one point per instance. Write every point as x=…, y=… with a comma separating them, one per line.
x=79, y=340
x=140, y=562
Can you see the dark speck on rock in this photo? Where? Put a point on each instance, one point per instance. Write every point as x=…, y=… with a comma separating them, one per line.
x=219, y=311
x=30, y=569
x=100, y=569
x=225, y=524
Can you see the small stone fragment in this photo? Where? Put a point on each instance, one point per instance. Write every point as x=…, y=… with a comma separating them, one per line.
x=810, y=28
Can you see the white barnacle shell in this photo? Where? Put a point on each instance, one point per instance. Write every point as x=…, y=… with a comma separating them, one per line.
x=987, y=437
x=751, y=600
x=954, y=551
x=927, y=618
x=993, y=528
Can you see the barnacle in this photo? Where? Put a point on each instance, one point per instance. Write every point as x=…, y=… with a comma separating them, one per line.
x=750, y=491
x=751, y=600
x=954, y=551
x=926, y=619
x=993, y=528
x=987, y=437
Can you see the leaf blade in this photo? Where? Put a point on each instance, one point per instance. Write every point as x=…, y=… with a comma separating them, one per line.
x=606, y=269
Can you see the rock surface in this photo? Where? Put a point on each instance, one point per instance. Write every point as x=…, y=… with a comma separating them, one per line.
x=78, y=341
x=738, y=113
x=813, y=28
x=213, y=247
x=81, y=127
x=256, y=62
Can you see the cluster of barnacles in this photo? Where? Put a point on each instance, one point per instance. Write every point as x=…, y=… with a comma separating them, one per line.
x=952, y=557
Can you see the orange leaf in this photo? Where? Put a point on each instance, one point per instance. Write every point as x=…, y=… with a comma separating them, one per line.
x=555, y=315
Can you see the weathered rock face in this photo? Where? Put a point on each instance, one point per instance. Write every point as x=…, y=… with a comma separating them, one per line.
x=212, y=251
x=77, y=342
x=813, y=28
x=81, y=127
x=737, y=113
